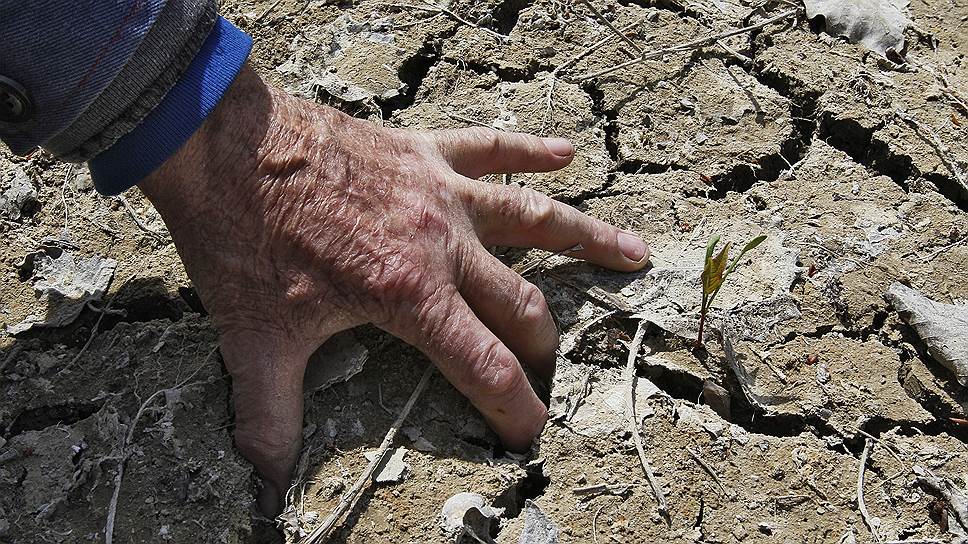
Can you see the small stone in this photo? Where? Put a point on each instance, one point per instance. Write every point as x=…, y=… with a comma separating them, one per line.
x=823, y=375
x=740, y=435
x=765, y=528
x=474, y=429
x=538, y=527
x=716, y=397
x=740, y=533
x=18, y=197
x=393, y=468
x=308, y=431
x=714, y=428
x=452, y=514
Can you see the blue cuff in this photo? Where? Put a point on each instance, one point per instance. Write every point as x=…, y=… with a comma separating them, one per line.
x=178, y=116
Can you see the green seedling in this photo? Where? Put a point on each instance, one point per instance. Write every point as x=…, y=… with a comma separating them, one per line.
x=715, y=272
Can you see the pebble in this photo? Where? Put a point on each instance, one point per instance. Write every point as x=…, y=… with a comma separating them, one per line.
x=823, y=375
x=739, y=434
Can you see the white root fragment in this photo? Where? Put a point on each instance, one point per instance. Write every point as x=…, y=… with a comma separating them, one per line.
x=861, y=504
x=630, y=378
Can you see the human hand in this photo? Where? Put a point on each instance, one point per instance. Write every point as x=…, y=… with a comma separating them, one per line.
x=295, y=222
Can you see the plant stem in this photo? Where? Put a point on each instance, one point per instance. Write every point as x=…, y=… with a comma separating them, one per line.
x=702, y=318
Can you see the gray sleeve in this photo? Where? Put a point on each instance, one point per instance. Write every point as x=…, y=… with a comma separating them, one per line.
x=91, y=70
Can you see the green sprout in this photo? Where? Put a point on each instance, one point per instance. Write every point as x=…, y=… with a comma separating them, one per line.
x=715, y=272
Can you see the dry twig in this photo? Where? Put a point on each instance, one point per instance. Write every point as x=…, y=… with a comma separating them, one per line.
x=611, y=27
x=436, y=8
x=592, y=48
x=267, y=11
x=595, y=525
x=600, y=489
x=129, y=437
x=530, y=267
x=944, y=153
x=934, y=255
x=137, y=220
x=634, y=348
x=688, y=46
x=709, y=470
x=90, y=339
x=578, y=396
x=346, y=502
x=861, y=504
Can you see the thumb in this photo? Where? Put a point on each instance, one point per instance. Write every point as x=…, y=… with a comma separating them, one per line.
x=267, y=392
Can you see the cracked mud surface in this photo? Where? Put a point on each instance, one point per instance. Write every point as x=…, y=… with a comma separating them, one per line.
x=794, y=134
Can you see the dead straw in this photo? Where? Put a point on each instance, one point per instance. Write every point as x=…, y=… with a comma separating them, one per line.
x=688, y=46
x=634, y=347
x=129, y=437
x=611, y=27
x=346, y=502
x=861, y=504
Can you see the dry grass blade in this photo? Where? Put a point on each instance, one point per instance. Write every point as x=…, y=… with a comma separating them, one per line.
x=688, y=46
x=346, y=502
x=709, y=470
x=592, y=48
x=531, y=266
x=634, y=348
x=137, y=220
x=611, y=27
x=90, y=339
x=861, y=504
x=435, y=8
x=944, y=153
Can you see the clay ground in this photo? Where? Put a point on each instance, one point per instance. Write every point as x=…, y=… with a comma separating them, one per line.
x=784, y=131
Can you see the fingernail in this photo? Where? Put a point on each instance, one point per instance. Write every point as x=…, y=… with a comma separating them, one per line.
x=632, y=246
x=559, y=146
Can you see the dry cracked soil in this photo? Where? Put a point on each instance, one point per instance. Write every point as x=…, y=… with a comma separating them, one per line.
x=809, y=379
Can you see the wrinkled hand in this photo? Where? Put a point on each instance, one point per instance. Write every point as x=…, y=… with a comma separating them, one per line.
x=295, y=222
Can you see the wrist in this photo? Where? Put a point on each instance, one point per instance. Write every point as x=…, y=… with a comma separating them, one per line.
x=220, y=154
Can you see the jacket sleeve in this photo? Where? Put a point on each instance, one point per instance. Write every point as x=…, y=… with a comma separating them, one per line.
x=78, y=75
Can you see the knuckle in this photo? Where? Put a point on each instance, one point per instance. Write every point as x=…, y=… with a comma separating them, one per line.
x=487, y=140
x=536, y=210
x=255, y=445
x=531, y=305
x=396, y=278
x=495, y=369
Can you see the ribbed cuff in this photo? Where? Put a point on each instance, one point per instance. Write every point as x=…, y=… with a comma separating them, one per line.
x=178, y=116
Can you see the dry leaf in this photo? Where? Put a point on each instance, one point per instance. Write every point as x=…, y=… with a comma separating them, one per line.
x=943, y=327
x=877, y=24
